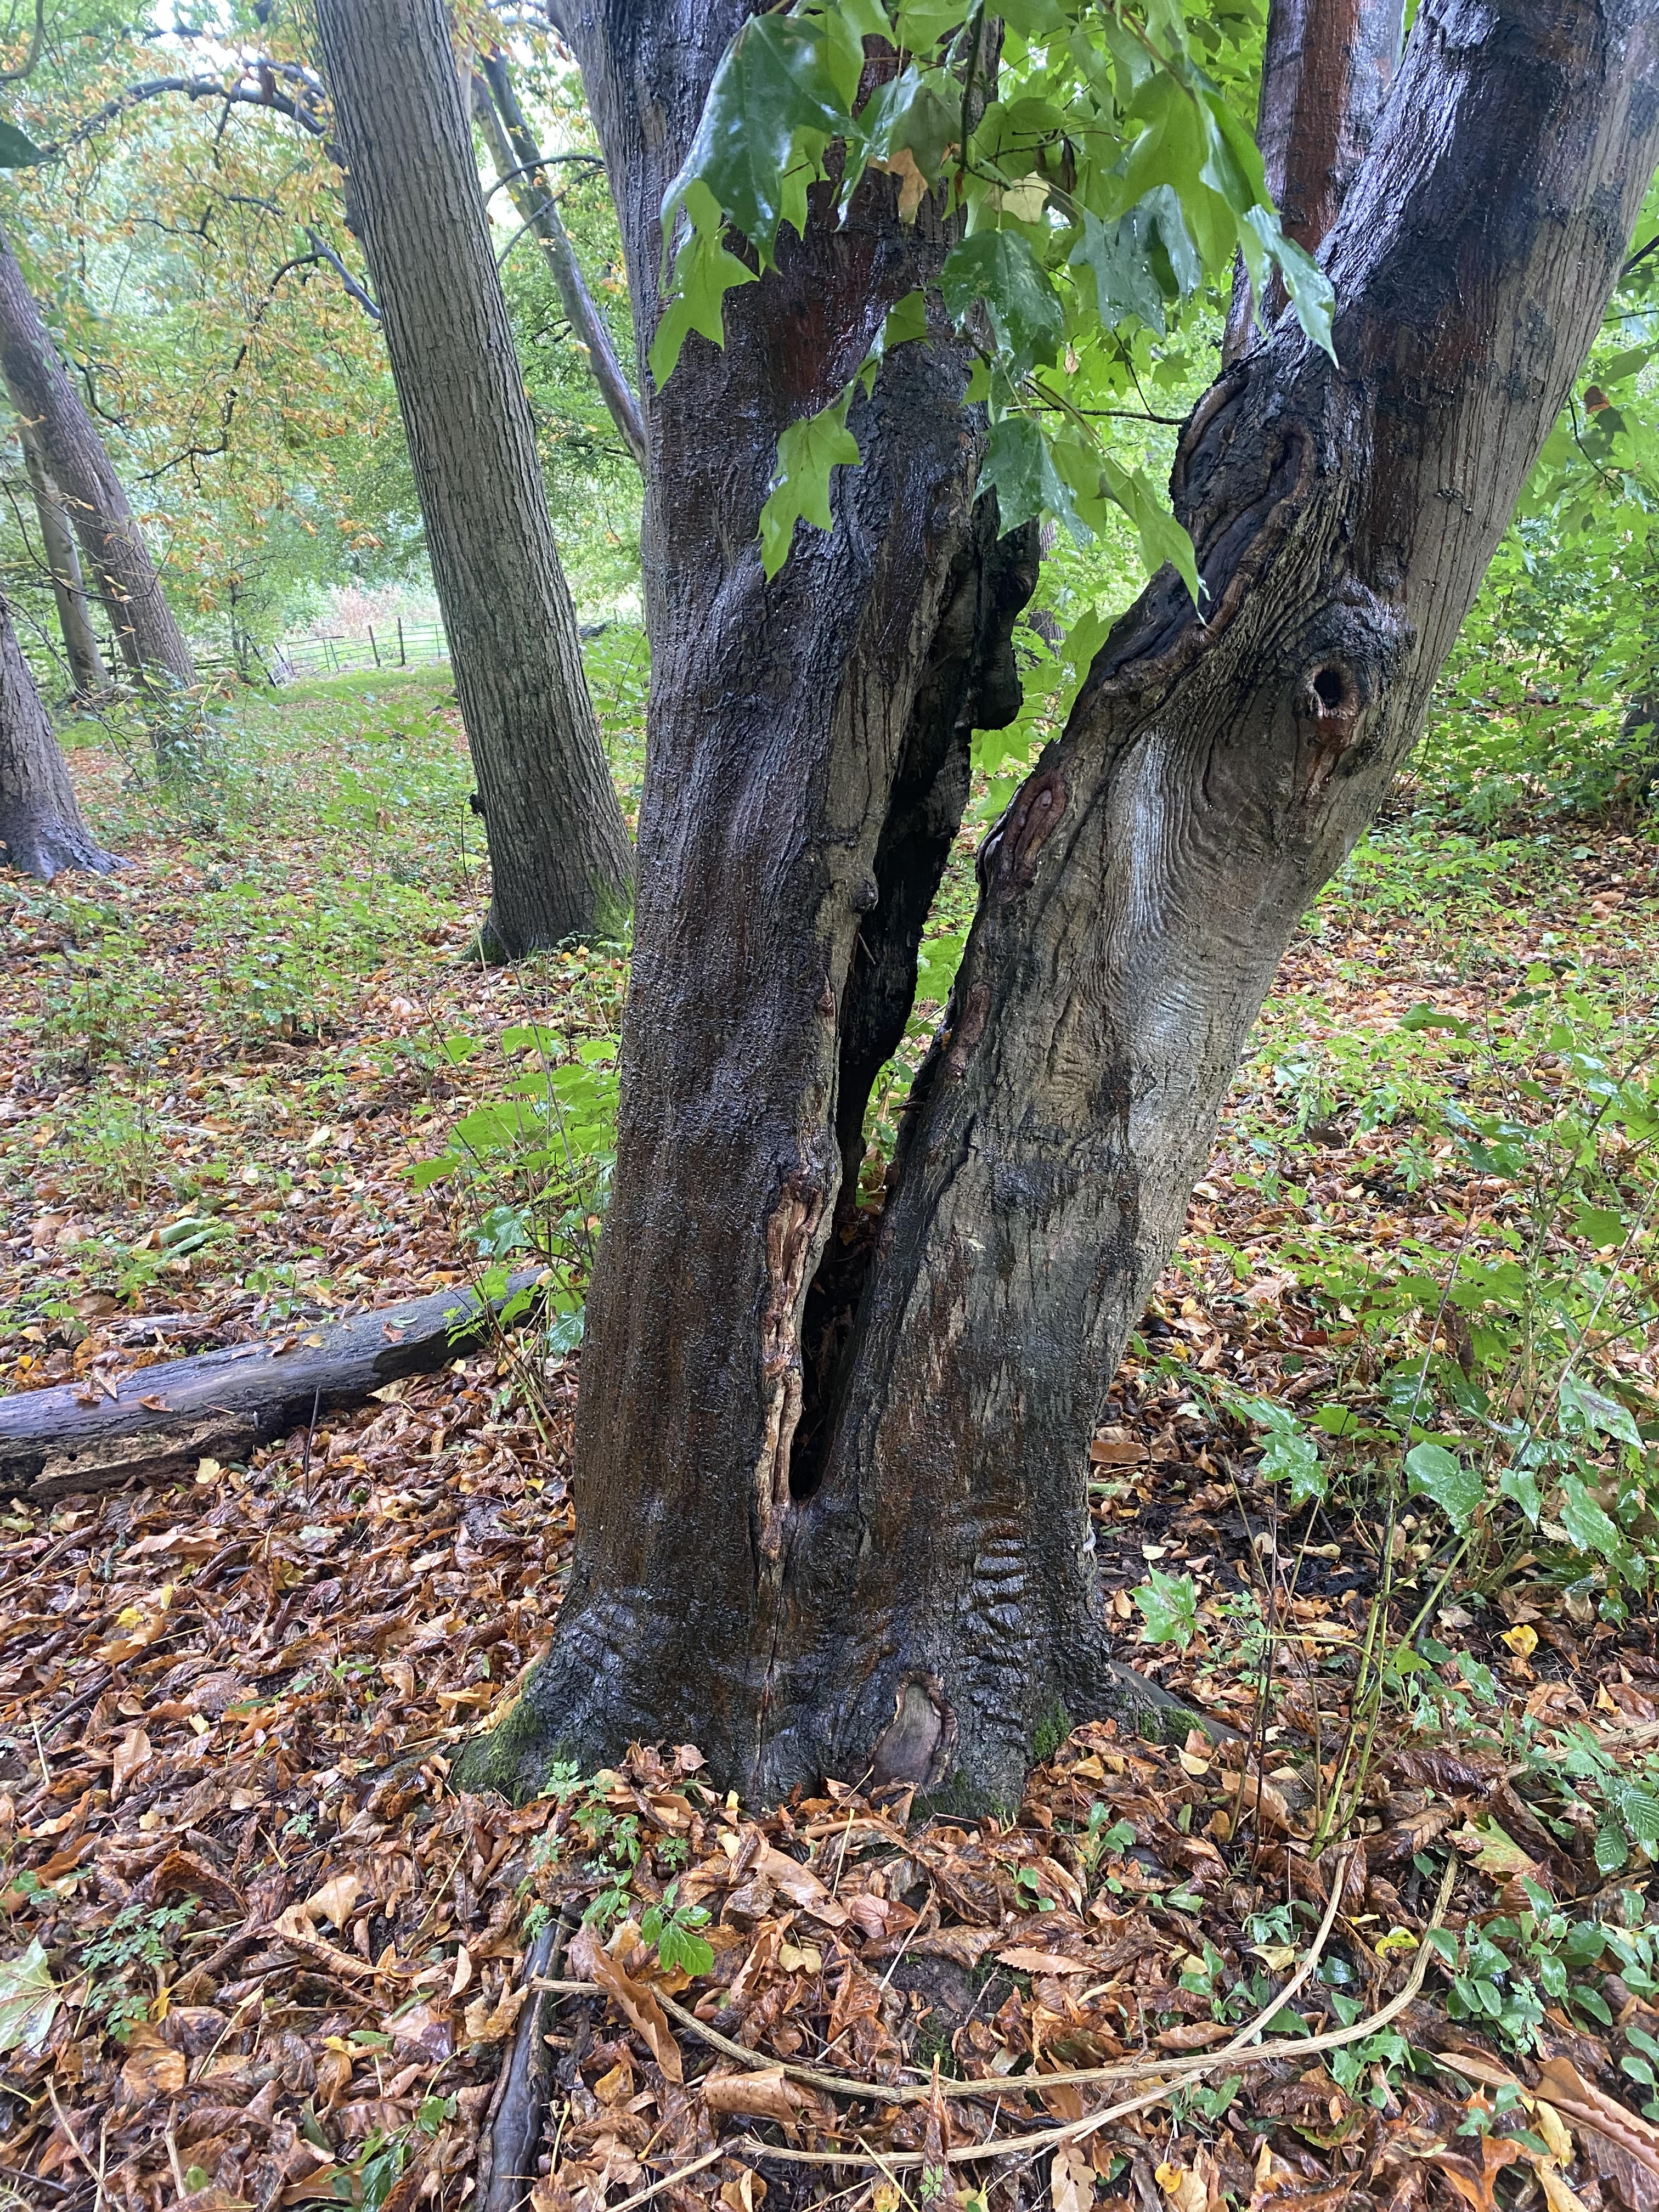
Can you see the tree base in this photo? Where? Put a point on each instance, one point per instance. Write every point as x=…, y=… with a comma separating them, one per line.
x=554, y=1722
x=45, y=849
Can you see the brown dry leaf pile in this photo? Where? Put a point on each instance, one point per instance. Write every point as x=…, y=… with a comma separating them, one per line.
x=255, y=1953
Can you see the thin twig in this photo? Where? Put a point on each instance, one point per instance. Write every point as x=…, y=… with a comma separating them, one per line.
x=1175, y=2069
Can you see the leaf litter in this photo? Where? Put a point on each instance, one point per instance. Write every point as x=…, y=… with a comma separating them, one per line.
x=258, y=1952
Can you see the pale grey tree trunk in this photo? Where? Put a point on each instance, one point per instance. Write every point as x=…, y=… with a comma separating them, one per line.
x=560, y=857
x=88, y=677
x=148, y=637
x=41, y=828
x=518, y=161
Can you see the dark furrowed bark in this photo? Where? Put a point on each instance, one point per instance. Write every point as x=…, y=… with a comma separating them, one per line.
x=780, y=715
x=1138, y=895
x=42, y=830
x=142, y=624
x=560, y=859
x=88, y=677
x=930, y=1613
x=1327, y=69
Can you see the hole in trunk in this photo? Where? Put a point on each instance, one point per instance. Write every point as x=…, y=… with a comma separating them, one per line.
x=1329, y=689
x=826, y=1326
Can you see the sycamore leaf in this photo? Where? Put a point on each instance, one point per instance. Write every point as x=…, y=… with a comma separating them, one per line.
x=1019, y=467
x=1124, y=283
x=704, y=272
x=1162, y=538
x=1000, y=268
x=774, y=103
x=807, y=451
x=1308, y=286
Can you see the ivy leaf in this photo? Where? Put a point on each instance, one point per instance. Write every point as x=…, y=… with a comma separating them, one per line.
x=774, y=87
x=704, y=272
x=1001, y=268
x=807, y=451
x=1520, y=1484
x=1586, y=1524
x=1019, y=467
x=1456, y=1489
x=28, y=1999
x=1169, y=1605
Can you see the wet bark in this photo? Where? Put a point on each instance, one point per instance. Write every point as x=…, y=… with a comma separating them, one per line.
x=42, y=832
x=149, y=639
x=559, y=858
x=1326, y=67
x=88, y=677
x=516, y=157
x=920, y=1603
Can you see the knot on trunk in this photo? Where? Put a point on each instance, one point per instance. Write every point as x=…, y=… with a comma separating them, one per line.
x=916, y=1744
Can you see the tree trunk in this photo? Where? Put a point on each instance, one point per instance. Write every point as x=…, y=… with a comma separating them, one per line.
x=558, y=847
x=1326, y=70
x=516, y=157
x=88, y=677
x=914, y=1597
x=41, y=828
x=142, y=622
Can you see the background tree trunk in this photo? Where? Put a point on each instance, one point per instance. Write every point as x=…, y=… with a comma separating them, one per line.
x=558, y=847
x=516, y=157
x=41, y=826
x=88, y=677
x=142, y=622
x=915, y=1599
x=1326, y=67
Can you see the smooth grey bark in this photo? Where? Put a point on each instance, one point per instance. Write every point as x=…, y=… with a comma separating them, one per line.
x=518, y=158
x=914, y=1597
x=149, y=639
x=559, y=858
x=42, y=830
x=88, y=677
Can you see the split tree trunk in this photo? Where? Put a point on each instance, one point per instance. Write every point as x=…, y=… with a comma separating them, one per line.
x=88, y=677
x=42, y=832
x=149, y=639
x=914, y=1598
x=516, y=157
x=559, y=853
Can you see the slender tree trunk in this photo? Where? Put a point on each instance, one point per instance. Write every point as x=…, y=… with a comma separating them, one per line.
x=516, y=157
x=915, y=1595
x=41, y=829
x=558, y=847
x=1326, y=71
x=88, y=677
x=150, y=641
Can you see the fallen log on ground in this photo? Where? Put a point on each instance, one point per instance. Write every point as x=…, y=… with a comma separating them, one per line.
x=160, y=1420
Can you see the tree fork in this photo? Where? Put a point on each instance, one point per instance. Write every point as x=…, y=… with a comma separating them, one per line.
x=930, y=1613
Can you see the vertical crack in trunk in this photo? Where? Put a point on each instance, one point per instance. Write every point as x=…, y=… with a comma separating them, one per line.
x=970, y=682
x=790, y=1234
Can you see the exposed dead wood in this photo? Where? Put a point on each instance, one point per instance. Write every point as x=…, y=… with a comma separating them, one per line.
x=162, y=1420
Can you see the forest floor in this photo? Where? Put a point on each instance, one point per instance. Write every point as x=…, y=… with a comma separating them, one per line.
x=256, y=1951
